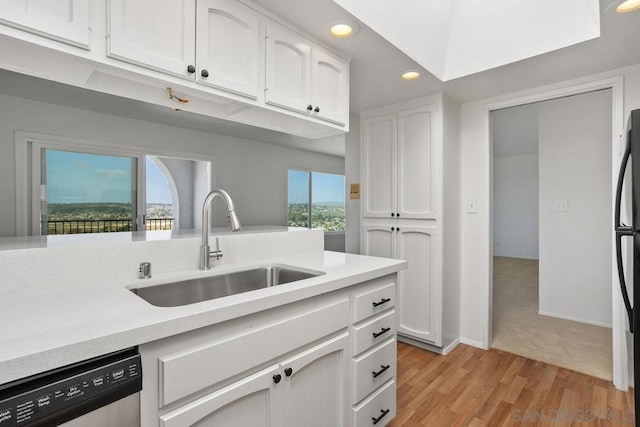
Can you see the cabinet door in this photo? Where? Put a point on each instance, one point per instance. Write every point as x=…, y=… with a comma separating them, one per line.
x=315, y=386
x=379, y=166
x=329, y=86
x=288, y=69
x=417, y=163
x=228, y=46
x=253, y=401
x=157, y=34
x=378, y=240
x=419, y=306
x=62, y=20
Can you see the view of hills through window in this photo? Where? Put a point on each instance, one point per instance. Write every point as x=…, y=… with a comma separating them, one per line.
x=316, y=200
x=93, y=193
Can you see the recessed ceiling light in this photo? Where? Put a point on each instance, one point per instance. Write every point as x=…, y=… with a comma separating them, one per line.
x=628, y=6
x=410, y=74
x=343, y=29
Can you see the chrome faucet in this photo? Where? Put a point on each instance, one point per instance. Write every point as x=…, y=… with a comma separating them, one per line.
x=234, y=224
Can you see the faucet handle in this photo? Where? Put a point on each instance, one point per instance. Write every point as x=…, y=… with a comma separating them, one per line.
x=217, y=254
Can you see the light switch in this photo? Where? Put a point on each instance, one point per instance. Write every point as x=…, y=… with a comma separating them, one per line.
x=561, y=206
x=471, y=205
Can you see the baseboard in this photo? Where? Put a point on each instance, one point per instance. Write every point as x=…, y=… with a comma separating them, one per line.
x=516, y=257
x=472, y=343
x=575, y=319
x=444, y=350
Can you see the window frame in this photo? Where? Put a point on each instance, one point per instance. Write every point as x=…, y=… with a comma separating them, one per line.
x=310, y=173
x=28, y=146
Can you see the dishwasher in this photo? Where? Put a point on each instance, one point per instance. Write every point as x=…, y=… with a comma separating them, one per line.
x=100, y=392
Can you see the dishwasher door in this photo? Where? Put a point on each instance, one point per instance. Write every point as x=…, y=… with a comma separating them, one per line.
x=121, y=413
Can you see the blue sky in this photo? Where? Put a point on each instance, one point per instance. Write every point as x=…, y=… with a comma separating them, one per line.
x=90, y=178
x=325, y=187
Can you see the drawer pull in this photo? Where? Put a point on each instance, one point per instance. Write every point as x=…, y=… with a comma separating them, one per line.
x=382, y=301
x=381, y=371
x=382, y=332
x=377, y=420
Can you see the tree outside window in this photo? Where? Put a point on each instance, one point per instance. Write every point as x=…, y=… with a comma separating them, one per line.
x=316, y=200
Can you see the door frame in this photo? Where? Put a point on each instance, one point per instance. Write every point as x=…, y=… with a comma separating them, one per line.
x=616, y=84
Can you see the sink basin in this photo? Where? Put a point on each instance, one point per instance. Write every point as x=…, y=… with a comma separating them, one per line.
x=206, y=288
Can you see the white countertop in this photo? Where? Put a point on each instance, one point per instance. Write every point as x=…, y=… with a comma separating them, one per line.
x=50, y=328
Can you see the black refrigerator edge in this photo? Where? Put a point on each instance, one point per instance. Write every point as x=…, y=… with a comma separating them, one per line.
x=632, y=151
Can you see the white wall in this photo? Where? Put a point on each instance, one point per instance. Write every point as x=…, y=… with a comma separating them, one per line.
x=515, y=181
x=575, y=246
x=515, y=206
x=475, y=228
x=254, y=173
x=352, y=176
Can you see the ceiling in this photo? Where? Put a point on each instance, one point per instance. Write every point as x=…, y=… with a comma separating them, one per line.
x=376, y=63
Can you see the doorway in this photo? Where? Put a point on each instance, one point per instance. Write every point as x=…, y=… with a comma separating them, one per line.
x=551, y=231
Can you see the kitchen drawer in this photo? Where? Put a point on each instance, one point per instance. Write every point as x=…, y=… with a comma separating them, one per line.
x=373, y=301
x=380, y=406
x=373, y=331
x=373, y=369
x=195, y=368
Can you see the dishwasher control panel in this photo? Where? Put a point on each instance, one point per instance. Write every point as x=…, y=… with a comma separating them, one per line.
x=63, y=394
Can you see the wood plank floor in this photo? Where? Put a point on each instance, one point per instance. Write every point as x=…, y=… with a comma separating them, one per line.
x=474, y=387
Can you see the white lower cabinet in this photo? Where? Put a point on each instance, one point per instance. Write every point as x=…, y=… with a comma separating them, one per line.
x=252, y=401
x=295, y=365
x=420, y=290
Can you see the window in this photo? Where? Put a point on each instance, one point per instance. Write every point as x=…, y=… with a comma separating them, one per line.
x=69, y=187
x=316, y=200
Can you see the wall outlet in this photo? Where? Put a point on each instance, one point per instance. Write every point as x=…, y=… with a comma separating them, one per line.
x=561, y=206
x=471, y=205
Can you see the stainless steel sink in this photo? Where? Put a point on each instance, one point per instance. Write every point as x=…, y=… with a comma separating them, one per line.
x=205, y=288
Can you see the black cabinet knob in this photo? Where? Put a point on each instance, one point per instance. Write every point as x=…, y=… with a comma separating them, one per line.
x=288, y=372
x=317, y=109
x=398, y=229
x=204, y=73
x=191, y=69
x=309, y=107
x=277, y=378
x=393, y=228
x=393, y=214
x=398, y=214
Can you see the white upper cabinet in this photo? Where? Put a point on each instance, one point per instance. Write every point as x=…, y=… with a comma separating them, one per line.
x=63, y=20
x=157, y=34
x=379, y=165
x=400, y=164
x=330, y=86
x=288, y=70
x=418, y=165
x=306, y=78
x=228, y=46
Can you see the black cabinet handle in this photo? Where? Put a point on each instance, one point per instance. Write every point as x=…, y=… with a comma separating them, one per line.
x=382, y=301
x=398, y=229
x=204, y=73
x=393, y=214
x=393, y=228
x=317, y=109
x=398, y=214
x=381, y=371
x=288, y=372
x=377, y=420
x=382, y=332
x=191, y=69
x=277, y=378
x=309, y=107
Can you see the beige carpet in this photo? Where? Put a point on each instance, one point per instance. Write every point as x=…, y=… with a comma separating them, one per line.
x=519, y=329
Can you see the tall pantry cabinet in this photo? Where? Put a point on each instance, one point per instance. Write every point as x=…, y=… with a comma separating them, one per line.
x=410, y=160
